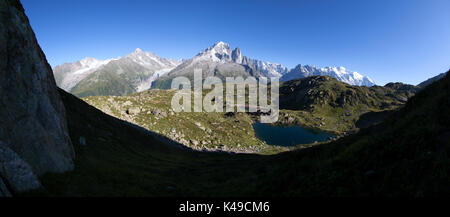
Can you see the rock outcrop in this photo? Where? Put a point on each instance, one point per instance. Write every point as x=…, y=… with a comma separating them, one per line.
x=16, y=172
x=33, y=129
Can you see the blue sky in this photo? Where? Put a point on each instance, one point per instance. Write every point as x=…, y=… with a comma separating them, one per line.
x=388, y=40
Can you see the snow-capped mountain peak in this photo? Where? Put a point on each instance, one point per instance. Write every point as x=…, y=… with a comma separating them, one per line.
x=219, y=52
x=89, y=60
x=151, y=60
x=222, y=53
x=92, y=63
x=221, y=43
x=222, y=47
x=340, y=73
x=138, y=50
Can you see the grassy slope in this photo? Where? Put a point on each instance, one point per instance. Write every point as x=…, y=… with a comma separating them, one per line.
x=106, y=83
x=405, y=155
x=234, y=133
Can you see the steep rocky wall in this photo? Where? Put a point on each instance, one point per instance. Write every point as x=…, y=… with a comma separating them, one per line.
x=33, y=128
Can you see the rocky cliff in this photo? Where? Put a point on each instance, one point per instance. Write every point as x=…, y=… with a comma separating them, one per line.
x=34, y=137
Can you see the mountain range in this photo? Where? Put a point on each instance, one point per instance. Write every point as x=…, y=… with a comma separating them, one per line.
x=141, y=70
x=121, y=76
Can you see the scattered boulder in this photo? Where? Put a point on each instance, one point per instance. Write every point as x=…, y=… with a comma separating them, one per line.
x=194, y=142
x=199, y=125
x=159, y=113
x=133, y=111
x=290, y=120
x=184, y=142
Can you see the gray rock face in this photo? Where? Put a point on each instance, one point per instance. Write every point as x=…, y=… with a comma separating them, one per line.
x=16, y=172
x=237, y=56
x=33, y=123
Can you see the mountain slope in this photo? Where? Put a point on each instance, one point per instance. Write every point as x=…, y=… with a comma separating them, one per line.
x=132, y=73
x=431, y=80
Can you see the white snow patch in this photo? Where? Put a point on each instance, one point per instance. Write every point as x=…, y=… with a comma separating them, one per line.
x=147, y=84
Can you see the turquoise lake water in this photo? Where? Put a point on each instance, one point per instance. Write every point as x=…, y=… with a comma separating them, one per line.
x=289, y=135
